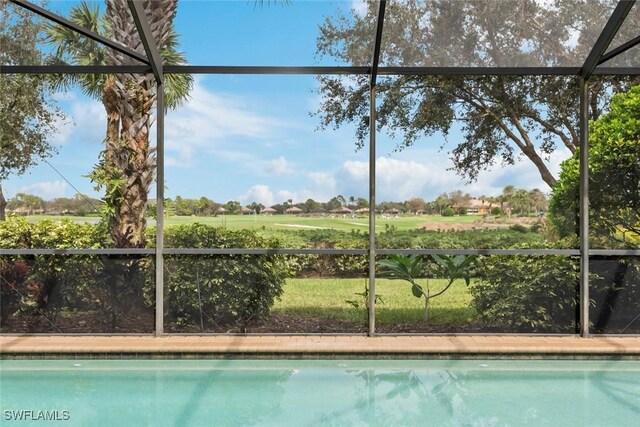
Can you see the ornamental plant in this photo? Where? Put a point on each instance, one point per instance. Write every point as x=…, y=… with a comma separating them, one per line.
x=409, y=268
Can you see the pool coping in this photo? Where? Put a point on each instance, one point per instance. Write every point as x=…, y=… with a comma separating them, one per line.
x=301, y=346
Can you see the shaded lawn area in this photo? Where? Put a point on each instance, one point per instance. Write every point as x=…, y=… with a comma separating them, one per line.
x=327, y=298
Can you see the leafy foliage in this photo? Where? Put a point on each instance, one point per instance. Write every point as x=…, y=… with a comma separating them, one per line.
x=501, y=117
x=615, y=294
x=14, y=290
x=448, y=212
x=230, y=290
x=614, y=178
x=410, y=267
x=528, y=293
x=110, y=286
x=220, y=292
x=362, y=298
x=28, y=113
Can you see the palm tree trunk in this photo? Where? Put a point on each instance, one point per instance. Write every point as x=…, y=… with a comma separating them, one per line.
x=128, y=163
x=128, y=100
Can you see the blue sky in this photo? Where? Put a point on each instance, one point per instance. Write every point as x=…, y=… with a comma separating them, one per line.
x=252, y=138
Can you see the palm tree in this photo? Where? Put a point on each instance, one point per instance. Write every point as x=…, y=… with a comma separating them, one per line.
x=507, y=198
x=126, y=166
x=521, y=201
x=538, y=199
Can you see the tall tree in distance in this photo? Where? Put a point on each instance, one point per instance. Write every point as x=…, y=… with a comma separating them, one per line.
x=28, y=115
x=502, y=118
x=127, y=164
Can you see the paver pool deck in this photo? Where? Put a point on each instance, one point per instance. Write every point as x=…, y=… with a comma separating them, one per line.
x=321, y=345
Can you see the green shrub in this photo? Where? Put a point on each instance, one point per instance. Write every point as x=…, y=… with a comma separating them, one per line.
x=108, y=285
x=448, y=212
x=614, y=173
x=519, y=228
x=326, y=265
x=537, y=227
x=496, y=211
x=528, y=293
x=615, y=294
x=224, y=292
x=430, y=239
x=462, y=211
x=18, y=233
x=14, y=291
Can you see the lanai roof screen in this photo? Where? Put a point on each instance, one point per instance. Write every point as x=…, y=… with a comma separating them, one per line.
x=491, y=33
x=460, y=34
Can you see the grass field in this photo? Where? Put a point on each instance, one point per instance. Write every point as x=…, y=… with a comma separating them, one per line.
x=326, y=298
x=294, y=222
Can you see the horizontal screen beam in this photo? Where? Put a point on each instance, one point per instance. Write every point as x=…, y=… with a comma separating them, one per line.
x=312, y=70
x=296, y=251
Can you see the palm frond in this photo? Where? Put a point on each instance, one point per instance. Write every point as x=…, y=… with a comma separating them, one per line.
x=177, y=87
x=73, y=48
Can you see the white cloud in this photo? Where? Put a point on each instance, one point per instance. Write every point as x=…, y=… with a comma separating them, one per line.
x=279, y=167
x=84, y=121
x=209, y=118
x=259, y=194
x=395, y=179
x=47, y=189
x=64, y=131
x=322, y=181
x=359, y=7
x=263, y=194
x=402, y=178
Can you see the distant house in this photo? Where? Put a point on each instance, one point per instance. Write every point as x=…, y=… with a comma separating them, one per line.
x=24, y=210
x=246, y=211
x=342, y=210
x=268, y=211
x=481, y=207
x=294, y=210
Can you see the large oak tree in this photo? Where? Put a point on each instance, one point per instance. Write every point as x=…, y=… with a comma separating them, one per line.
x=502, y=118
x=28, y=115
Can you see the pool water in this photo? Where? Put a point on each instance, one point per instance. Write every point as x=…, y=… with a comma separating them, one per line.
x=319, y=392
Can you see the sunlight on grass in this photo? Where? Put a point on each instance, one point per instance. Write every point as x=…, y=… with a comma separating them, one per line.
x=327, y=298
x=292, y=222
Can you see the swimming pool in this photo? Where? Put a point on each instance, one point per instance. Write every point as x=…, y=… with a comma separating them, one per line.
x=319, y=392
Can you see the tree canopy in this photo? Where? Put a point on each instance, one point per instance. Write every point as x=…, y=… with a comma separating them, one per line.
x=502, y=118
x=28, y=114
x=614, y=177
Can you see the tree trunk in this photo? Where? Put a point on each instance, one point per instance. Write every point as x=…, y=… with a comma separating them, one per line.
x=128, y=100
x=128, y=161
x=545, y=174
x=3, y=205
x=425, y=315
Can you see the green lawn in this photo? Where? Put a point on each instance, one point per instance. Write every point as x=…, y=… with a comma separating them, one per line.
x=327, y=298
x=294, y=222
